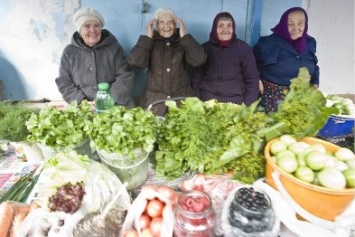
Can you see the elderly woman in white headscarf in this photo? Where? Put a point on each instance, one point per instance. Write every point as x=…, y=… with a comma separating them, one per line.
x=93, y=56
x=166, y=51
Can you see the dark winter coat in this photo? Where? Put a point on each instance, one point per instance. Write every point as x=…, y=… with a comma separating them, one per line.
x=279, y=62
x=167, y=62
x=229, y=74
x=82, y=68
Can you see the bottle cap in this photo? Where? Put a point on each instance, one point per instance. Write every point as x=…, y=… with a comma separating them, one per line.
x=103, y=86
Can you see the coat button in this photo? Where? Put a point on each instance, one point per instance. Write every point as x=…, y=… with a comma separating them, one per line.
x=297, y=56
x=91, y=68
x=168, y=69
x=168, y=43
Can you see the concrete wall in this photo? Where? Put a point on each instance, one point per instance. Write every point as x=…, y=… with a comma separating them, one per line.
x=34, y=33
x=332, y=23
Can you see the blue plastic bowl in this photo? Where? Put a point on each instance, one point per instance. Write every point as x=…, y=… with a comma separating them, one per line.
x=337, y=125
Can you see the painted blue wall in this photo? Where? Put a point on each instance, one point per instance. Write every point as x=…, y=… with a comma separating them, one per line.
x=124, y=18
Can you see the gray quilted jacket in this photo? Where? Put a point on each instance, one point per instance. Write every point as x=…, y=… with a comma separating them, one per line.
x=82, y=68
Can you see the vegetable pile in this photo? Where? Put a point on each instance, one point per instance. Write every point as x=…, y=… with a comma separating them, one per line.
x=152, y=212
x=344, y=105
x=60, y=129
x=122, y=131
x=67, y=198
x=214, y=138
x=20, y=191
x=12, y=120
x=314, y=164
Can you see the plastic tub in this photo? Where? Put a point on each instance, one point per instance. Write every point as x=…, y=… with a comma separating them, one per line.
x=337, y=125
x=133, y=171
x=82, y=148
x=314, y=201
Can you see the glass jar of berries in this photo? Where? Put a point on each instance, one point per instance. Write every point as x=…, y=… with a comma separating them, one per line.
x=251, y=212
x=194, y=215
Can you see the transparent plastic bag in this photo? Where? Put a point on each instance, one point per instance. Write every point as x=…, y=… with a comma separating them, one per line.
x=137, y=208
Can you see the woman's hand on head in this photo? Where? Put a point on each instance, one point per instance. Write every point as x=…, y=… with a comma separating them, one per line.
x=150, y=27
x=182, y=27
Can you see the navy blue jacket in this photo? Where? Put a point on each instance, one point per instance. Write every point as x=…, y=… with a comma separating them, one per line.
x=279, y=62
x=230, y=74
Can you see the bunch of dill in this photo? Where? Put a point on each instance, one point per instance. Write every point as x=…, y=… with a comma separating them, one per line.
x=13, y=119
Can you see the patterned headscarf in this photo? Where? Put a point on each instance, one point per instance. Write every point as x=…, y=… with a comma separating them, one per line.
x=213, y=34
x=281, y=29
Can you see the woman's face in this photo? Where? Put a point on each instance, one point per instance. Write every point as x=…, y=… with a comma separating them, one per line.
x=91, y=33
x=166, y=25
x=224, y=29
x=296, y=24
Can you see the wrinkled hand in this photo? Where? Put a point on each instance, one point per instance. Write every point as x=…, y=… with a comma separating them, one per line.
x=150, y=27
x=182, y=27
x=261, y=87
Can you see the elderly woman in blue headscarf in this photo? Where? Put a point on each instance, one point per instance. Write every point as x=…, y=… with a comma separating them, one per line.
x=230, y=73
x=279, y=57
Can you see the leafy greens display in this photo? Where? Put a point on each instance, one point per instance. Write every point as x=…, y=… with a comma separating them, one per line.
x=214, y=138
x=60, y=128
x=122, y=130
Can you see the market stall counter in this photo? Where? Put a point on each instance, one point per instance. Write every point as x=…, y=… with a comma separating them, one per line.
x=221, y=190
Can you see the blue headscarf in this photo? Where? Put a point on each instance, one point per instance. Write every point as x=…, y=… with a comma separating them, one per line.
x=281, y=29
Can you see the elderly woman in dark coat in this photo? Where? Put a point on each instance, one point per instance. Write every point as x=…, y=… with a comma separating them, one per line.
x=280, y=55
x=230, y=73
x=167, y=52
x=93, y=56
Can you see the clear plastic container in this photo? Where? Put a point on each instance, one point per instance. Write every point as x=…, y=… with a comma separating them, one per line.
x=192, y=219
x=104, y=100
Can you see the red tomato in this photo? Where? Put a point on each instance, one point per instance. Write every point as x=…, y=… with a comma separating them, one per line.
x=144, y=221
x=156, y=226
x=146, y=233
x=130, y=233
x=155, y=208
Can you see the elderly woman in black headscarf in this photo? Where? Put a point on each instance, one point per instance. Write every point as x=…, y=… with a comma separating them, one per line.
x=280, y=56
x=230, y=73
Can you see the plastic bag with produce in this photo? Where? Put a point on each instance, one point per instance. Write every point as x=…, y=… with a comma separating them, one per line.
x=151, y=212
